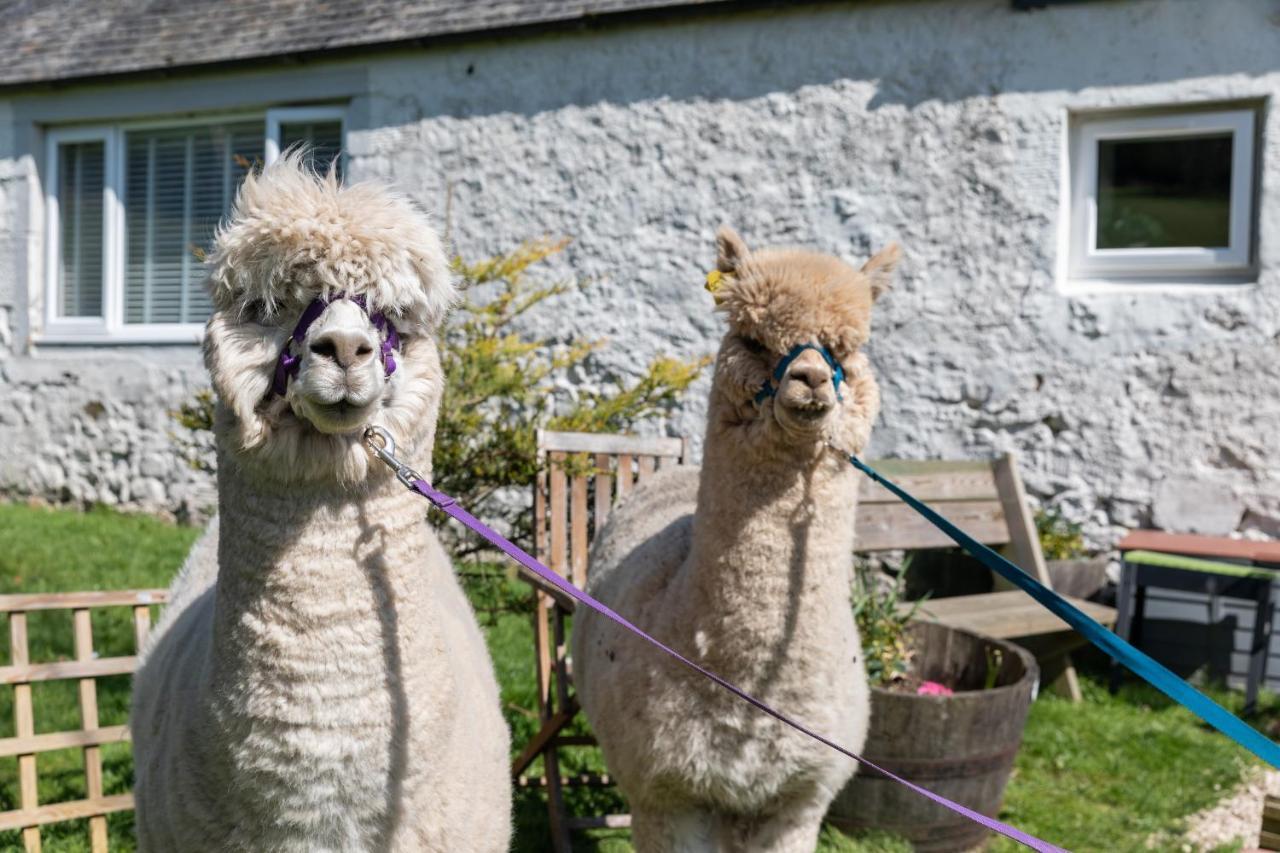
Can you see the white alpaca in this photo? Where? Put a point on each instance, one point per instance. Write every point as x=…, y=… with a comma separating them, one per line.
x=745, y=567
x=318, y=681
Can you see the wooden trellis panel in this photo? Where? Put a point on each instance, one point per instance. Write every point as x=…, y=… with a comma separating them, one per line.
x=85, y=669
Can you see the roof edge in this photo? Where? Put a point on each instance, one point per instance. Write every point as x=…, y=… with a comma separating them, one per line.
x=589, y=21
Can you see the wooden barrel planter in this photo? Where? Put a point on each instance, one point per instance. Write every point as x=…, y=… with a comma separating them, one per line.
x=960, y=746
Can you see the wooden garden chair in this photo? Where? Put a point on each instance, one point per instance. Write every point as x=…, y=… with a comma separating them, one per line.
x=583, y=476
x=21, y=674
x=985, y=498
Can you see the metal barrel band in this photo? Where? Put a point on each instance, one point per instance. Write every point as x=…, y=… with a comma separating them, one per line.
x=1137, y=661
x=382, y=445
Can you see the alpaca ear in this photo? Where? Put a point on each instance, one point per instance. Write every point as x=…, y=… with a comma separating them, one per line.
x=879, y=270
x=730, y=250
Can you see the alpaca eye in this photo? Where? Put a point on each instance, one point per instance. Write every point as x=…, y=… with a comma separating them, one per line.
x=752, y=345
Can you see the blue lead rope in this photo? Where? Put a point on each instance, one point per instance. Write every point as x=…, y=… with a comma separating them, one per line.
x=1137, y=661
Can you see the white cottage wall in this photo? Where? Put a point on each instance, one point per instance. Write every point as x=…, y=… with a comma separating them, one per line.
x=839, y=126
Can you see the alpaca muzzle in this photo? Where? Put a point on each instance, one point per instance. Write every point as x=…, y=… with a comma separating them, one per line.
x=289, y=362
x=808, y=375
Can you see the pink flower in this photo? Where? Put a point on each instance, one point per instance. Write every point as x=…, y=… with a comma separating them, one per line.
x=933, y=688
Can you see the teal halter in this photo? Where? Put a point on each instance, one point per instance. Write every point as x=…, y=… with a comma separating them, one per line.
x=769, y=388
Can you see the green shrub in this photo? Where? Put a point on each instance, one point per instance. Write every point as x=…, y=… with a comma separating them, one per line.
x=881, y=625
x=1059, y=539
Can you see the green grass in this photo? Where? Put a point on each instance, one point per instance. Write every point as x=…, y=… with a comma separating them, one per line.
x=1113, y=771
x=44, y=550
x=1103, y=775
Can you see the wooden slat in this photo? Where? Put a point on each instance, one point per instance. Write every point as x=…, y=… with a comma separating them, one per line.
x=542, y=647
x=580, y=780
x=896, y=469
x=646, y=467
x=1004, y=615
x=24, y=726
x=67, y=669
x=540, y=508
x=551, y=727
x=72, y=600
x=83, y=632
x=590, y=442
x=1024, y=541
x=57, y=812
x=604, y=489
x=964, y=485
x=62, y=740
x=882, y=527
x=624, y=475
x=578, y=530
x=1195, y=545
x=141, y=626
x=608, y=821
x=558, y=510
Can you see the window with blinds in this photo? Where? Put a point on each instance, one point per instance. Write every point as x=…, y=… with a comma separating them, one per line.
x=322, y=138
x=131, y=212
x=81, y=180
x=178, y=184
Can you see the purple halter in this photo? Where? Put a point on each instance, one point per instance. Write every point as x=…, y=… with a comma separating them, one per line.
x=288, y=364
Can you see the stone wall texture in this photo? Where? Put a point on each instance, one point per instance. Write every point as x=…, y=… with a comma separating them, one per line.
x=841, y=127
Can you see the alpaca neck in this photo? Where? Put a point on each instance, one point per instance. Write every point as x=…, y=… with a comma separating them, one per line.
x=315, y=586
x=772, y=547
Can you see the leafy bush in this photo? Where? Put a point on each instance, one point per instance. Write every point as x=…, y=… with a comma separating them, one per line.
x=1059, y=539
x=500, y=387
x=881, y=625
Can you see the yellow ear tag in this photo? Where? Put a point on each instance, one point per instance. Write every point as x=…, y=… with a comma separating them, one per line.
x=715, y=281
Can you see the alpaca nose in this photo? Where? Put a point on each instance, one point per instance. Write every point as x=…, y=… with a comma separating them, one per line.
x=347, y=348
x=815, y=374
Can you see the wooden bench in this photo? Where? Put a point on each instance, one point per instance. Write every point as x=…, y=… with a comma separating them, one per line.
x=586, y=474
x=987, y=500
x=21, y=674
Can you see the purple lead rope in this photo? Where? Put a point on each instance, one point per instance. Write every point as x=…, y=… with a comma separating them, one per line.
x=450, y=506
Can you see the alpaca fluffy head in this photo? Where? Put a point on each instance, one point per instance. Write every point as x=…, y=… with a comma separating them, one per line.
x=776, y=299
x=294, y=236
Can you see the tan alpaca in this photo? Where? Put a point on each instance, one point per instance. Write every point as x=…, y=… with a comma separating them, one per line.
x=318, y=683
x=745, y=567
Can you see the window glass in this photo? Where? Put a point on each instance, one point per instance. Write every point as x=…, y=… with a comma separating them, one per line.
x=1162, y=193
x=323, y=138
x=81, y=176
x=179, y=183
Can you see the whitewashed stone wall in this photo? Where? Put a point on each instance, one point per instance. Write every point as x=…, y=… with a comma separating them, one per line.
x=842, y=127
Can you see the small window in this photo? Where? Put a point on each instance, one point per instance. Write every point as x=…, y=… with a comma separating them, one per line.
x=131, y=208
x=1162, y=197
x=320, y=129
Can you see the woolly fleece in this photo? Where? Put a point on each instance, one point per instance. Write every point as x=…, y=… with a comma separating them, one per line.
x=318, y=681
x=745, y=566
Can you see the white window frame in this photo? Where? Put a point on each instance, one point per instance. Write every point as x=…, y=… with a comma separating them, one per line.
x=111, y=328
x=82, y=327
x=1088, y=265
x=290, y=115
